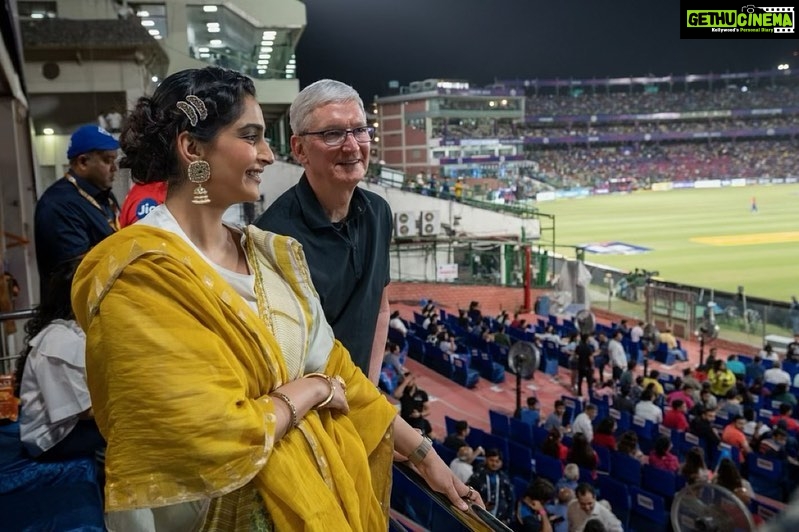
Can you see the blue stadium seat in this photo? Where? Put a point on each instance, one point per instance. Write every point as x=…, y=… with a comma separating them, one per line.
x=521, y=460
x=521, y=432
x=463, y=374
x=659, y=481
x=625, y=468
x=648, y=512
x=766, y=475
x=500, y=423
x=603, y=453
x=548, y=467
x=618, y=495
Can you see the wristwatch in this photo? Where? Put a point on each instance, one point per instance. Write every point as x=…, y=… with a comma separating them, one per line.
x=421, y=451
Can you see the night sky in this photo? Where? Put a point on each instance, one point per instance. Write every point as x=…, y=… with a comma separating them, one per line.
x=366, y=43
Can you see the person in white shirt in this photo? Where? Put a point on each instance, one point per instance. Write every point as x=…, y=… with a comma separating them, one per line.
x=396, y=323
x=585, y=507
x=462, y=464
x=616, y=354
x=583, y=422
x=637, y=332
x=648, y=410
x=776, y=375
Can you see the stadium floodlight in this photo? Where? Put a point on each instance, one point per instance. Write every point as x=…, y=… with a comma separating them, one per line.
x=783, y=66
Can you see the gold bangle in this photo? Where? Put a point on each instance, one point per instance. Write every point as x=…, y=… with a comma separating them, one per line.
x=330, y=383
x=285, y=398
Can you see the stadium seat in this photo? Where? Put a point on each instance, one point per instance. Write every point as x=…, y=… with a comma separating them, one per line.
x=659, y=481
x=648, y=512
x=521, y=432
x=766, y=476
x=603, y=453
x=500, y=423
x=618, y=495
x=548, y=467
x=463, y=374
x=625, y=468
x=521, y=460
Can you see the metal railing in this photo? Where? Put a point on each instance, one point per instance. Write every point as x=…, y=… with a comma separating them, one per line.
x=5, y=357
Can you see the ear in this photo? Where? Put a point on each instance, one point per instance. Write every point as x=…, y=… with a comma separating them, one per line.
x=189, y=149
x=298, y=150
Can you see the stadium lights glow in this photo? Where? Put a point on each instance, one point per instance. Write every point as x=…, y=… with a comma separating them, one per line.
x=266, y=49
x=213, y=29
x=265, y=56
x=783, y=66
x=48, y=131
x=267, y=42
x=744, y=89
x=263, y=61
x=210, y=9
x=261, y=71
x=154, y=79
x=158, y=37
x=203, y=49
x=154, y=32
x=143, y=14
x=215, y=42
x=205, y=55
x=269, y=34
x=37, y=15
x=147, y=23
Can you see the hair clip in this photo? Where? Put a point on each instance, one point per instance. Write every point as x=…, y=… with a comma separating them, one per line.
x=199, y=105
x=189, y=111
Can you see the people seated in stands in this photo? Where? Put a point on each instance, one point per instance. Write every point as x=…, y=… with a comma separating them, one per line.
x=768, y=353
x=582, y=454
x=691, y=383
x=728, y=476
x=720, y=378
x=682, y=393
x=411, y=397
x=585, y=507
x=461, y=465
x=661, y=456
x=622, y=401
x=392, y=358
x=775, y=446
x=627, y=377
x=694, y=468
x=446, y=342
x=583, y=423
x=429, y=307
x=604, y=436
x=784, y=415
x=558, y=508
x=792, y=349
x=605, y=389
x=780, y=393
x=396, y=323
x=501, y=337
x=531, y=514
x=463, y=321
x=754, y=429
x=652, y=379
x=702, y=425
x=648, y=410
x=736, y=366
x=555, y=419
x=474, y=313
x=503, y=318
x=628, y=444
x=731, y=405
x=707, y=401
x=56, y=419
x=570, y=478
x=420, y=423
x=553, y=445
x=494, y=486
x=676, y=418
x=668, y=338
x=531, y=413
x=776, y=375
x=457, y=439
x=733, y=435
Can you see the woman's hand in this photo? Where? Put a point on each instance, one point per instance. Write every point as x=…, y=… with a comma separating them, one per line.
x=339, y=402
x=441, y=479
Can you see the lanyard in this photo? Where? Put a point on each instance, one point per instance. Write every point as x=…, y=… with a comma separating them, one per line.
x=113, y=222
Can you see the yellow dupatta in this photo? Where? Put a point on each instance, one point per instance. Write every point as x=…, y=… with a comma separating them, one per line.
x=179, y=368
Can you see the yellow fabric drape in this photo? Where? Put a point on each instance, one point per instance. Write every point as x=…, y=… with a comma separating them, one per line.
x=179, y=369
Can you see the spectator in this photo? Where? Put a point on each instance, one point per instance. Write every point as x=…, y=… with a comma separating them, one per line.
x=627, y=377
x=582, y=454
x=733, y=435
x=728, y=476
x=702, y=426
x=531, y=514
x=395, y=322
x=683, y=394
x=755, y=369
x=753, y=429
x=604, y=435
x=457, y=440
x=775, y=446
x=637, y=332
x=622, y=401
x=585, y=507
x=648, y=410
x=784, y=415
x=462, y=466
x=661, y=456
x=782, y=395
x=392, y=358
x=411, y=397
x=618, y=358
x=721, y=379
x=531, y=414
x=675, y=419
x=553, y=446
x=690, y=382
x=501, y=337
x=707, y=401
x=736, y=366
x=555, y=419
x=499, y=502
x=792, y=350
x=652, y=380
x=776, y=375
x=768, y=353
x=732, y=404
x=694, y=468
x=628, y=444
x=673, y=346
x=585, y=370
x=583, y=422
x=570, y=478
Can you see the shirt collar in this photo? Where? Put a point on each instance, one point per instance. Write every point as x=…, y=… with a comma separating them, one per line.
x=89, y=187
x=313, y=212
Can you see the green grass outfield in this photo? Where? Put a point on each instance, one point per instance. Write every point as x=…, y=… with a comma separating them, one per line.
x=706, y=238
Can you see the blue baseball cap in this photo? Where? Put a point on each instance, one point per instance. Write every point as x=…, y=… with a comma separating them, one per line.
x=90, y=137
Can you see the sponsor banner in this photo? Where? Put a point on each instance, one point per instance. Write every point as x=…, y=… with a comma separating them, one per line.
x=707, y=183
x=682, y=184
x=614, y=248
x=446, y=272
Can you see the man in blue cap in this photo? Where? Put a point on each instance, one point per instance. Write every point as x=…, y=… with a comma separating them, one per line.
x=79, y=210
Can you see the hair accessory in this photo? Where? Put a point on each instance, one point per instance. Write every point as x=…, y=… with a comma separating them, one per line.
x=199, y=105
x=194, y=109
x=189, y=111
x=285, y=398
x=199, y=172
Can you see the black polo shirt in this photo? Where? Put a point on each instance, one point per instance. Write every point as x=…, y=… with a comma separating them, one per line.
x=67, y=225
x=349, y=261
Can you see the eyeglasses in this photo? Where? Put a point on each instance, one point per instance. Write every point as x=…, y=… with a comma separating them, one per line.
x=337, y=137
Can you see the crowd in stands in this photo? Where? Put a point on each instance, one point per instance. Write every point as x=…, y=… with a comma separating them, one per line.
x=717, y=422
x=589, y=166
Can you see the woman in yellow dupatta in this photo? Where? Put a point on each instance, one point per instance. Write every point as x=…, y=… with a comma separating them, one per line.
x=224, y=398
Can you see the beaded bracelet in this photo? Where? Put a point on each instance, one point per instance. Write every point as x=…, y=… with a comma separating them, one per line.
x=285, y=398
x=330, y=383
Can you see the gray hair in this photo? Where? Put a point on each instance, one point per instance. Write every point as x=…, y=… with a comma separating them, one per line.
x=571, y=471
x=318, y=94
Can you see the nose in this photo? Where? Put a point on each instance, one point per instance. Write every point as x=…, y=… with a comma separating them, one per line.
x=265, y=155
x=349, y=141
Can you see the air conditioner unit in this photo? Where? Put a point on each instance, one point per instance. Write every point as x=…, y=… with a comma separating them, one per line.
x=430, y=223
x=405, y=224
